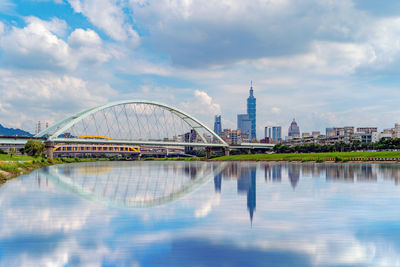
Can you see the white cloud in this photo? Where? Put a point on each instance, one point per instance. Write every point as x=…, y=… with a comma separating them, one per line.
x=109, y=16
x=40, y=45
x=36, y=45
x=87, y=46
x=80, y=37
x=1, y=28
x=275, y=110
x=201, y=106
x=27, y=98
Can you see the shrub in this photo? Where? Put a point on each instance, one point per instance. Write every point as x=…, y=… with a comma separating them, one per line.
x=34, y=148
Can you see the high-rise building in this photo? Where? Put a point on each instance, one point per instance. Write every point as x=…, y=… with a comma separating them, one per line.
x=294, y=130
x=217, y=124
x=274, y=133
x=251, y=110
x=244, y=123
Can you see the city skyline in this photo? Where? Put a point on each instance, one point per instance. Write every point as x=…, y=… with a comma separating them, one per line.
x=326, y=71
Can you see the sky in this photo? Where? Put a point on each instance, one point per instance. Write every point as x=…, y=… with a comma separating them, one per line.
x=325, y=63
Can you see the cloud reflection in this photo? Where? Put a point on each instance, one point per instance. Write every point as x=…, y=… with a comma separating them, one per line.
x=338, y=214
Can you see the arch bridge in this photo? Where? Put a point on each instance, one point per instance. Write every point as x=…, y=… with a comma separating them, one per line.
x=133, y=122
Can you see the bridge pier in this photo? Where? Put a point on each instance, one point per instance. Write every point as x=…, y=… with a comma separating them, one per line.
x=227, y=150
x=208, y=152
x=49, y=149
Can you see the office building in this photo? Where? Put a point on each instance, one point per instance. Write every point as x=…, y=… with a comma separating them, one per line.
x=367, y=130
x=274, y=133
x=217, y=124
x=294, y=130
x=244, y=123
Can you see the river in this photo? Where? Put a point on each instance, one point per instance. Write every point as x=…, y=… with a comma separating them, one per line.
x=173, y=213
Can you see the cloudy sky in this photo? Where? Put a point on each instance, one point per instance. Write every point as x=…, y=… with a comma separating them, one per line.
x=326, y=63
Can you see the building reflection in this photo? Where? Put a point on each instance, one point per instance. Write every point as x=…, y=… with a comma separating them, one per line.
x=273, y=173
x=218, y=183
x=366, y=173
x=388, y=172
x=294, y=174
x=337, y=173
x=246, y=184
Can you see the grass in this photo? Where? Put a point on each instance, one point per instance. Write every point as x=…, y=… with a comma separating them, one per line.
x=7, y=157
x=319, y=157
x=172, y=159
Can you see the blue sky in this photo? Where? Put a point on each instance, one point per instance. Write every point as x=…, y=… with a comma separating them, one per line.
x=326, y=63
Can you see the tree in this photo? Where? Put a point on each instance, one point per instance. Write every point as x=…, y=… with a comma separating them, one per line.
x=34, y=148
x=13, y=151
x=355, y=145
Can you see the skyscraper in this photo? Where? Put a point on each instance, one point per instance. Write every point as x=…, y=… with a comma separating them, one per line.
x=251, y=110
x=274, y=133
x=217, y=124
x=244, y=124
x=294, y=129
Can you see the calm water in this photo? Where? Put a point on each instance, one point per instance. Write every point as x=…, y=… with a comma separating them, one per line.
x=202, y=214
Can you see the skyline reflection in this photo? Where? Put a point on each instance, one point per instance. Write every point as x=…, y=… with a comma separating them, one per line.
x=308, y=214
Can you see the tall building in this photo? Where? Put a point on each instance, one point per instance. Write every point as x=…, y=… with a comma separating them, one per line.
x=244, y=123
x=217, y=124
x=274, y=133
x=294, y=130
x=251, y=110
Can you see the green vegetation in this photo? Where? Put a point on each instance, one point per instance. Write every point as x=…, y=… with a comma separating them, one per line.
x=34, y=148
x=383, y=144
x=173, y=159
x=7, y=157
x=318, y=157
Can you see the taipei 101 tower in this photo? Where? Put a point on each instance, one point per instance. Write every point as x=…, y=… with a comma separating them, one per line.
x=251, y=110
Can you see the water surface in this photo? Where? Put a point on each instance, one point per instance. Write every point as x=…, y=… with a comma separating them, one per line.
x=202, y=214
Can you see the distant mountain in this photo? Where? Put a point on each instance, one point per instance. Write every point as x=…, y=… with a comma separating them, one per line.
x=11, y=132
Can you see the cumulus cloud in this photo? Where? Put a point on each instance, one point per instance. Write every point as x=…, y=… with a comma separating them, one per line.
x=202, y=106
x=36, y=45
x=26, y=98
x=87, y=46
x=40, y=45
x=107, y=15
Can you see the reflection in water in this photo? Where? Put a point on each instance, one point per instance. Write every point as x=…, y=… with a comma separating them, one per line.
x=246, y=184
x=294, y=174
x=140, y=185
x=338, y=214
x=218, y=182
x=273, y=172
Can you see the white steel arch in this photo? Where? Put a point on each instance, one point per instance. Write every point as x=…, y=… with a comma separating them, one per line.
x=59, y=128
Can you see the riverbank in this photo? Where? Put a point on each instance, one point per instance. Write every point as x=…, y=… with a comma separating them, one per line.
x=389, y=156
x=11, y=167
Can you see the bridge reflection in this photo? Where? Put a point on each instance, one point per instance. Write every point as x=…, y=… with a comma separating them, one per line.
x=144, y=184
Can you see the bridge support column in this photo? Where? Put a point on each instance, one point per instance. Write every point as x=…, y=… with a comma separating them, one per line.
x=208, y=152
x=227, y=150
x=49, y=149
